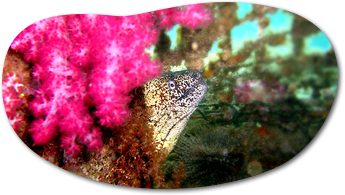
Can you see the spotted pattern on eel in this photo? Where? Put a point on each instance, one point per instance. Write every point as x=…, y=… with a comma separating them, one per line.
x=170, y=101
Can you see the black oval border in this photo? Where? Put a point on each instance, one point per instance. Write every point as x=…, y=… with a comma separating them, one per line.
x=255, y=179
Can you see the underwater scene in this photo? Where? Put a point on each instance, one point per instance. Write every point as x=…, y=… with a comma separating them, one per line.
x=184, y=97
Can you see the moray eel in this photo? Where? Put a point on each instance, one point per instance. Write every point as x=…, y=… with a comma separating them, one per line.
x=171, y=100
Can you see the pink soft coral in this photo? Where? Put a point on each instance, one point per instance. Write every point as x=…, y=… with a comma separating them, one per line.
x=16, y=176
x=84, y=61
x=257, y=90
x=11, y=88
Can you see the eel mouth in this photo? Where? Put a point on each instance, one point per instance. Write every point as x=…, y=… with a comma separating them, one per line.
x=202, y=85
x=171, y=116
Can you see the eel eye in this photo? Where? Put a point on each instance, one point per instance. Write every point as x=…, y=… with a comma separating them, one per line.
x=171, y=85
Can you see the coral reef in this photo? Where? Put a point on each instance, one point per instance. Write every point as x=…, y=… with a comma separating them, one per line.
x=139, y=162
x=269, y=94
x=70, y=88
x=127, y=157
x=70, y=65
x=74, y=84
x=91, y=62
x=19, y=172
x=208, y=157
